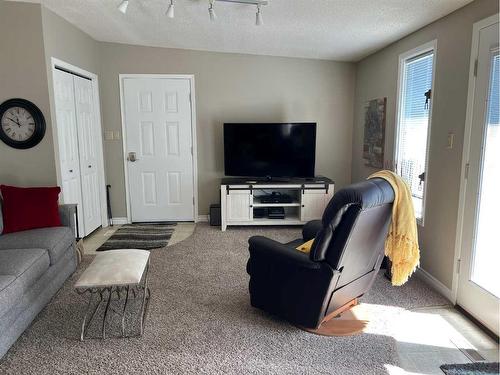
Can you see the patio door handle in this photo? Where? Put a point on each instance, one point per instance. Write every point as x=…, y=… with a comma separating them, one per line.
x=421, y=177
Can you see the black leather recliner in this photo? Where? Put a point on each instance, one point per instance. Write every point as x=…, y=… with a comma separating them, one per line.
x=344, y=260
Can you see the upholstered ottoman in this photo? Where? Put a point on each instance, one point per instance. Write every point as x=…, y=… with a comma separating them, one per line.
x=119, y=273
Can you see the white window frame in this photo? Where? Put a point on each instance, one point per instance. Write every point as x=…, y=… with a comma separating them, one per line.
x=403, y=58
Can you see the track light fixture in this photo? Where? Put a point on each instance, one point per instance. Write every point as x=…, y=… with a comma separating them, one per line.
x=170, y=10
x=211, y=11
x=123, y=6
x=258, y=17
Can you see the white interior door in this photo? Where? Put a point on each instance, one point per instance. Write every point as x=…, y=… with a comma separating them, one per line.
x=67, y=136
x=88, y=136
x=479, y=281
x=158, y=148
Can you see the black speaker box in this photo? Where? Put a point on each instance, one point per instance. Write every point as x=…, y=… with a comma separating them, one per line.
x=214, y=216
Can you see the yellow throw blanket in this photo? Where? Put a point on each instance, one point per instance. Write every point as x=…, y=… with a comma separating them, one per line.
x=306, y=246
x=401, y=245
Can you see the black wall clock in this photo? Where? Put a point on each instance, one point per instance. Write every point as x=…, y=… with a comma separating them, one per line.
x=22, y=124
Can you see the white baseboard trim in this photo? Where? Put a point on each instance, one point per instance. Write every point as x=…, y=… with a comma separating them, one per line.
x=202, y=219
x=435, y=284
x=119, y=220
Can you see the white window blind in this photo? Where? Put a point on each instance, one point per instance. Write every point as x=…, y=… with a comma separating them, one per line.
x=494, y=108
x=413, y=125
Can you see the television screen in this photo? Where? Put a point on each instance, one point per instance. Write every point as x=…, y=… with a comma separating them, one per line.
x=270, y=150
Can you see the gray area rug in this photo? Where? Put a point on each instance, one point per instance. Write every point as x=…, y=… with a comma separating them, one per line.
x=139, y=236
x=477, y=368
x=201, y=322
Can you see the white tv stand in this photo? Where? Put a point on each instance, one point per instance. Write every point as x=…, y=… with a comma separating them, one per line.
x=240, y=200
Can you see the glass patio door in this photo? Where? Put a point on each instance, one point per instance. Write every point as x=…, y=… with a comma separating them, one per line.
x=479, y=274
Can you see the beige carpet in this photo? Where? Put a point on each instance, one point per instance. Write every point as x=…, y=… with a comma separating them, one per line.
x=200, y=322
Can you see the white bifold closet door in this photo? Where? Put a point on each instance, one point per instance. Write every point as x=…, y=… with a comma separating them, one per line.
x=77, y=137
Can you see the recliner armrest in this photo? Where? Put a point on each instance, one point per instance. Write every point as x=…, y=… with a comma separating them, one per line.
x=311, y=229
x=264, y=247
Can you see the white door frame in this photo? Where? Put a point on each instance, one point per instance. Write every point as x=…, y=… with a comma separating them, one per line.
x=466, y=147
x=100, y=149
x=190, y=78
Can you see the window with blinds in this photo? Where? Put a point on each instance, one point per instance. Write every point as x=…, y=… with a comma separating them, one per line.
x=415, y=94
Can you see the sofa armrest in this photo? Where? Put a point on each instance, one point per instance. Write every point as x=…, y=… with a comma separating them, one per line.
x=67, y=213
x=262, y=247
x=311, y=229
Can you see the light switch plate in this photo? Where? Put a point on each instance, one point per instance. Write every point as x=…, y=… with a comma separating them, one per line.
x=108, y=135
x=451, y=138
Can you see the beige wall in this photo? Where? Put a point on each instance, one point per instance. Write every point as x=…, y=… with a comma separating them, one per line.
x=377, y=77
x=236, y=88
x=64, y=41
x=23, y=75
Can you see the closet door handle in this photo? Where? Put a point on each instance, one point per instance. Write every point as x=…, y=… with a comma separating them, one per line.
x=90, y=166
x=71, y=171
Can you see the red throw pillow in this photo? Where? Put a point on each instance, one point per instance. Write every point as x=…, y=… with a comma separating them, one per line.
x=29, y=208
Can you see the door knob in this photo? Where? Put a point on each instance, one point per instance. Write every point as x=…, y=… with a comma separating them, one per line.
x=132, y=157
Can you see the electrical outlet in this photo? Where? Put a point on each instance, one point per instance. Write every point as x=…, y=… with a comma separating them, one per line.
x=116, y=134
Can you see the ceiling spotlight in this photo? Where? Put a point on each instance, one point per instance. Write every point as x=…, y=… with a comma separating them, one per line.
x=211, y=11
x=170, y=10
x=123, y=6
x=258, y=17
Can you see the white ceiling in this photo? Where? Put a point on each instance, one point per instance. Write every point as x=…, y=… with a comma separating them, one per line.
x=344, y=30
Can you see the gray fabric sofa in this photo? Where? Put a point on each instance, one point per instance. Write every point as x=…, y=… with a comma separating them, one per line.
x=33, y=266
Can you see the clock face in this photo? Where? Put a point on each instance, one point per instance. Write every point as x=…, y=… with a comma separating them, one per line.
x=22, y=124
x=18, y=124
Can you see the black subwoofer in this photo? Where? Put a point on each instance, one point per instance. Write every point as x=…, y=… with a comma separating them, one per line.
x=214, y=215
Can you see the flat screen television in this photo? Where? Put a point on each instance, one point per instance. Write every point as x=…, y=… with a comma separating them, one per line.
x=270, y=150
